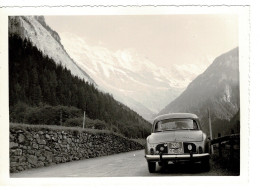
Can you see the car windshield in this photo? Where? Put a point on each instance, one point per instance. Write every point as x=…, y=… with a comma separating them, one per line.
x=176, y=124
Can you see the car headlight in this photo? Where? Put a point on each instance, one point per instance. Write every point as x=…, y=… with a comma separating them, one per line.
x=161, y=148
x=151, y=148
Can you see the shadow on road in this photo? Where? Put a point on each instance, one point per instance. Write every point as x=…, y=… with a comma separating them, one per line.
x=180, y=169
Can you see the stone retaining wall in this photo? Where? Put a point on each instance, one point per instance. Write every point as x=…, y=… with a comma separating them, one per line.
x=38, y=146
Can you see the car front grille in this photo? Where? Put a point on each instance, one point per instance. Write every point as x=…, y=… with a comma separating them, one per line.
x=182, y=148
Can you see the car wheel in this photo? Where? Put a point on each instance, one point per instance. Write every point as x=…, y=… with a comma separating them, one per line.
x=151, y=166
x=205, y=164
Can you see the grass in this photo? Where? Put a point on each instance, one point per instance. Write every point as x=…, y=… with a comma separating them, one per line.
x=140, y=141
x=226, y=162
x=62, y=128
x=20, y=126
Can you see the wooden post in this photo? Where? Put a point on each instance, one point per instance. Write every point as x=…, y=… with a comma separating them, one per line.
x=210, y=131
x=219, y=146
x=60, y=117
x=232, y=147
x=84, y=120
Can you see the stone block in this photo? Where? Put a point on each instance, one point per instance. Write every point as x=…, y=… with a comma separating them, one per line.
x=35, y=146
x=18, y=152
x=48, y=156
x=47, y=148
x=32, y=159
x=31, y=152
x=22, y=159
x=55, y=135
x=41, y=141
x=14, y=164
x=11, y=137
x=40, y=164
x=13, y=145
x=20, y=168
x=38, y=153
x=42, y=158
x=60, y=136
x=48, y=137
x=14, y=159
x=69, y=140
x=57, y=160
x=24, y=147
x=36, y=136
x=21, y=138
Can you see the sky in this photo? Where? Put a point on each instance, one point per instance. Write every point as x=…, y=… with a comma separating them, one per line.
x=166, y=40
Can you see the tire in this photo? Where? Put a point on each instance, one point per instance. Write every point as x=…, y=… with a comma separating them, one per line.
x=151, y=166
x=205, y=165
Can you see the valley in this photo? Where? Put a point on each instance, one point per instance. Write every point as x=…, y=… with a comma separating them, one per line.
x=120, y=91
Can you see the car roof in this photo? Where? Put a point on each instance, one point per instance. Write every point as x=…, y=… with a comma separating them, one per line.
x=175, y=115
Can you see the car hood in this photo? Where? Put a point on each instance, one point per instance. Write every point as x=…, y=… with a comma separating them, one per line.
x=176, y=136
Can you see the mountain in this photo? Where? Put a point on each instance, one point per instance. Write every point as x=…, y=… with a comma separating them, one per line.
x=132, y=78
x=46, y=40
x=217, y=89
x=42, y=92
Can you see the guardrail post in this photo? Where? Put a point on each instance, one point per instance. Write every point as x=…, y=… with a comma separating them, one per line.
x=219, y=146
x=84, y=118
x=231, y=142
x=210, y=132
x=60, y=117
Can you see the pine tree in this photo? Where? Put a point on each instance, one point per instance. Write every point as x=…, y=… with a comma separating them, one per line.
x=36, y=80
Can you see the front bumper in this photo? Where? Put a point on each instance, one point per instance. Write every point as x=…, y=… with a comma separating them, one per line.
x=165, y=157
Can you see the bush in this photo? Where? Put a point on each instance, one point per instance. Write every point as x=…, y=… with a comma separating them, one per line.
x=42, y=114
x=71, y=117
x=17, y=113
x=74, y=122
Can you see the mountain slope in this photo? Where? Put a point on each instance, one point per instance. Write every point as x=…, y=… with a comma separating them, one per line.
x=130, y=76
x=42, y=92
x=46, y=40
x=217, y=89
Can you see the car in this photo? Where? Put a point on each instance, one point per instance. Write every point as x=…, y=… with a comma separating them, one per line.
x=177, y=137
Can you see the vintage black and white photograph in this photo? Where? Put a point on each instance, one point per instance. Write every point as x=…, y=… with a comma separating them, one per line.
x=124, y=94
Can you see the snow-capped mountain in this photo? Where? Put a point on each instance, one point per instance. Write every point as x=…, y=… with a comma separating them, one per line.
x=216, y=89
x=130, y=77
x=46, y=40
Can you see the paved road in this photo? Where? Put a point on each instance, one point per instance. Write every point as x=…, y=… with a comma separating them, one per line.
x=118, y=165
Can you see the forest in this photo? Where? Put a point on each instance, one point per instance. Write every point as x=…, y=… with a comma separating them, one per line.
x=43, y=92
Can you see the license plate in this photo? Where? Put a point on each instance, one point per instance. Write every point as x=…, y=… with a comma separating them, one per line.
x=175, y=148
x=175, y=145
